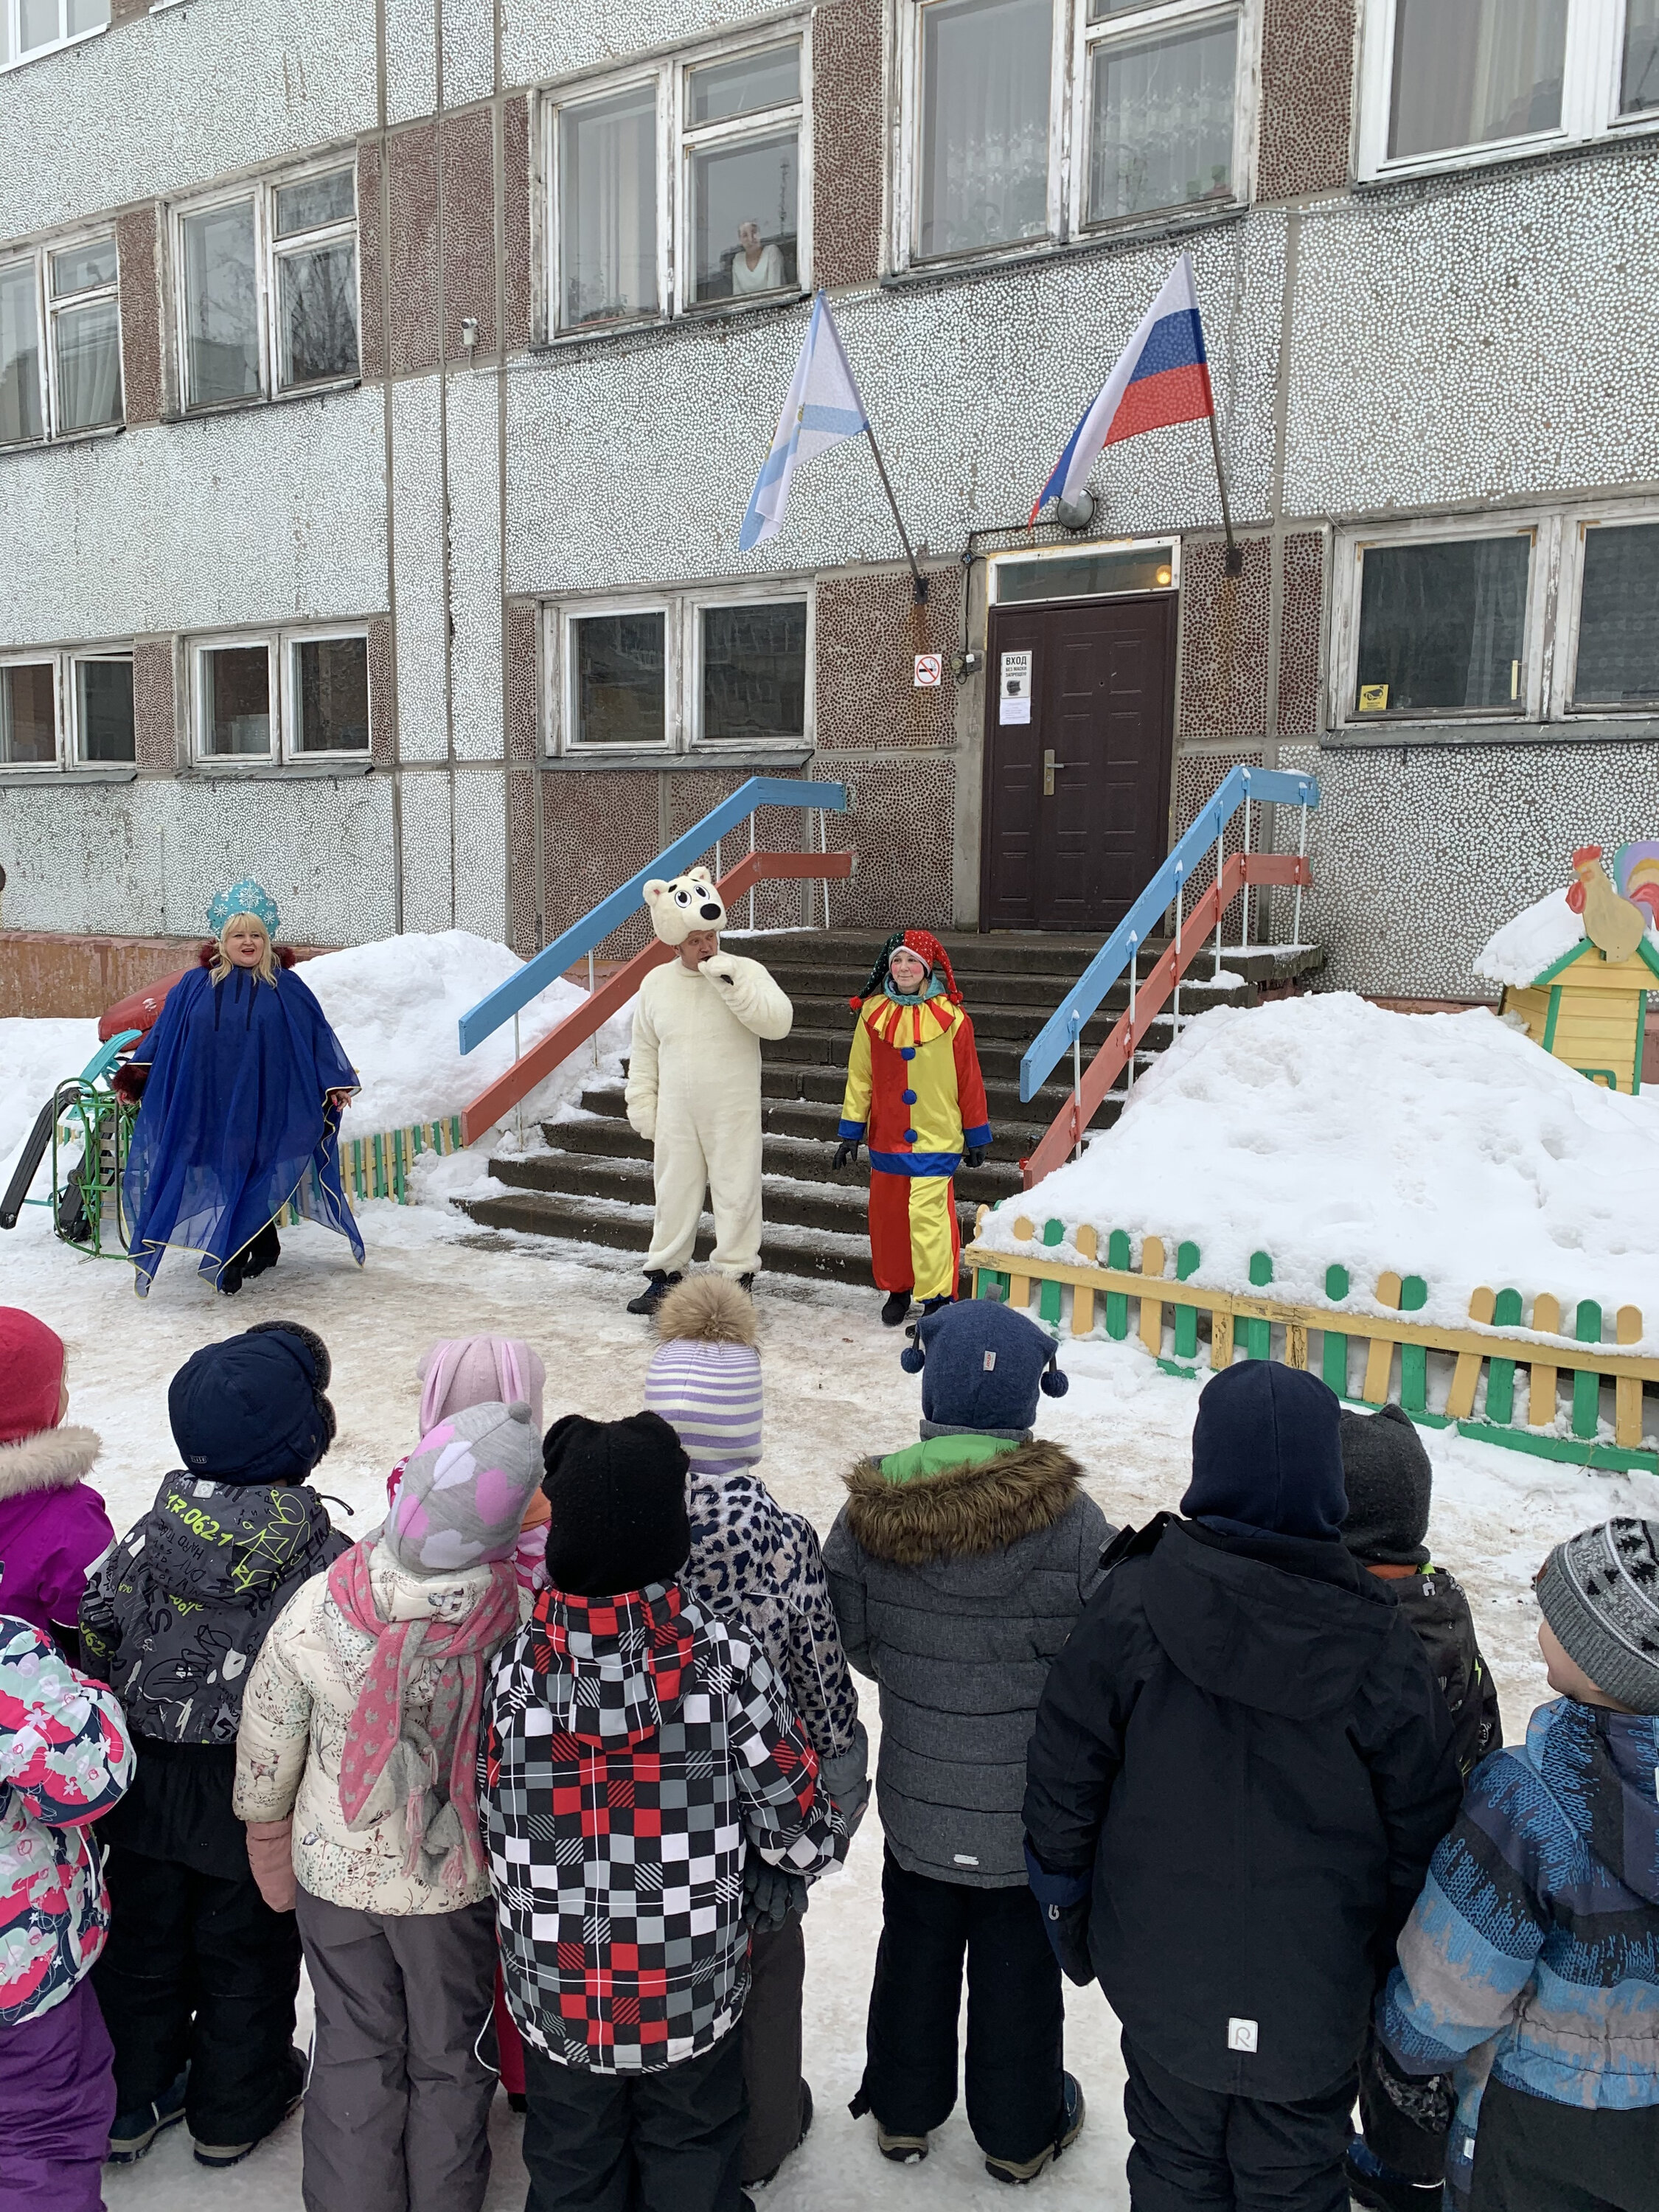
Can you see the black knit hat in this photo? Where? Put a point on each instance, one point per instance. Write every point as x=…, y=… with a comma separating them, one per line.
x=1390, y=1481
x=617, y=1493
x=251, y=1409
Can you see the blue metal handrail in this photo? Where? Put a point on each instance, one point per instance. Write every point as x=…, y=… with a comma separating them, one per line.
x=1065, y=1024
x=510, y=998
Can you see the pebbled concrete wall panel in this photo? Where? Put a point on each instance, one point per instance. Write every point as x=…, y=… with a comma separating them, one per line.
x=418, y=527
x=848, y=141
x=468, y=144
x=154, y=704
x=468, y=36
x=517, y=233
x=869, y=631
x=412, y=59
x=545, y=38
x=136, y=233
x=1223, y=641
x=371, y=261
x=412, y=250
x=475, y=568
x=428, y=851
x=1306, y=124
x=480, y=804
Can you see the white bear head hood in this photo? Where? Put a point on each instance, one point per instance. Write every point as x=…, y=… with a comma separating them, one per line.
x=684, y=904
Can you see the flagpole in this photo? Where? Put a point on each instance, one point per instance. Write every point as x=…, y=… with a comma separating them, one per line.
x=919, y=582
x=1235, y=555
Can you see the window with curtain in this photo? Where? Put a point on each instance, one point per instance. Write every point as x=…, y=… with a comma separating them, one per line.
x=23, y=415
x=1161, y=119
x=607, y=171
x=754, y=672
x=221, y=305
x=28, y=714
x=983, y=113
x=1467, y=72
x=742, y=139
x=1443, y=627
x=86, y=335
x=103, y=708
x=1618, y=618
x=315, y=228
x=33, y=27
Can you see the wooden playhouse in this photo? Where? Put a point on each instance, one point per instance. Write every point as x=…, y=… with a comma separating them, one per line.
x=1587, y=1003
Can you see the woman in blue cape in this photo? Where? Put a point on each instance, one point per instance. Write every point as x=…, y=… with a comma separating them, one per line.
x=242, y=1083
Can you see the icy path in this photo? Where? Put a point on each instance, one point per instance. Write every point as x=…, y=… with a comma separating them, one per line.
x=834, y=1390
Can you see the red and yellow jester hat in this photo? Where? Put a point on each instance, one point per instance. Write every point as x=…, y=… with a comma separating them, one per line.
x=926, y=946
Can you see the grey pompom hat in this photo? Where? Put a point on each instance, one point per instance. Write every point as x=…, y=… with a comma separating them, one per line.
x=1599, y=1592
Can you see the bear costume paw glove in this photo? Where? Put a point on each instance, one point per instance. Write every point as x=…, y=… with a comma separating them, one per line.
x=846, y=1152
x=723, y=968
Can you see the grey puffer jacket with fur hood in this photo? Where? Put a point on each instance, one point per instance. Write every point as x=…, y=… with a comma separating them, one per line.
x=955, y=1586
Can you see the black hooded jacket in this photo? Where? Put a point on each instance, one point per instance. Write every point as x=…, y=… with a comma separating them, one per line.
x=1244, y=1742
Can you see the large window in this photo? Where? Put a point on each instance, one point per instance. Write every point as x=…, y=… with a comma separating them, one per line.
x=284, y=695
x=73, y=708
x=267, y=289
x=1455, y=81
x=29, y=27
x=1143, y=114
x=69, y=295
x=1552, y=617
x=729, y=673
x=679, y=187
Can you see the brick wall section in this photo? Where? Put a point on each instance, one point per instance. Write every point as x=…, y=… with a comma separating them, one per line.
x=521, y=861
x=469, y=228
x=412, y=250
x=515, y=220
x=1307, y=96
x=371, y=265
x=136, y=234
x=847, y=142
x=154, y=706
x=870, y=630
x=1298, y=634
x=382, y=692
x=1223, y=641
x=522, y=719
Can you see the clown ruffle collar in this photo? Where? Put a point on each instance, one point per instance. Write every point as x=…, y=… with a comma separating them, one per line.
x=917, y=1023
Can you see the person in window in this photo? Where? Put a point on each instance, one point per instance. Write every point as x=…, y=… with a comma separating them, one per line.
x=242, y=1083
x=755, y=267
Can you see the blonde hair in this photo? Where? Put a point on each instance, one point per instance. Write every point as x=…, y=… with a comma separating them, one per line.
x=223, y=963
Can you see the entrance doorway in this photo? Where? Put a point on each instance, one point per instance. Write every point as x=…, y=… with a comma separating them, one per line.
x=1079, y=726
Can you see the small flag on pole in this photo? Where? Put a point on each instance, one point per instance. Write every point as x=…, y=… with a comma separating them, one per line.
x=823, y=408
x=1162, y=377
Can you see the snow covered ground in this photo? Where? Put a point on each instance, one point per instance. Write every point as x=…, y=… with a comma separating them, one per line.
x=834, y=1391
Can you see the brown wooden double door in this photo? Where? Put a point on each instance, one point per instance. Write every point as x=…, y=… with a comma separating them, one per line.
x=1077, y=797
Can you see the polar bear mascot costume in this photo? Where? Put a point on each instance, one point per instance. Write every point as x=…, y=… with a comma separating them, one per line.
x=694, y=1085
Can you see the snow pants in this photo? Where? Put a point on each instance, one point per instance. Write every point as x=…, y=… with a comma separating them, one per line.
x=693, y=1152
x=1016, y=2018
x=915, y=1239
x=771, y=2046
x=1201, y=2150
x=56, y=2106
x=668, y=2141
x=398, y=2110
x=1532, y=2154
x=198, y=1969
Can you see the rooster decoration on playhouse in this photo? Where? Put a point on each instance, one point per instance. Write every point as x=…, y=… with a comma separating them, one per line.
x=914, y=1087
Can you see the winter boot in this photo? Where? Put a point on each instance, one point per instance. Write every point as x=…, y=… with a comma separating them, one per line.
x=657, y=1287
x=896, y=1309
x=264, y=1252
x=933, y=1305
x=134, y=2132
x=220, y=2154
x=1379, y=2188
x=1073, y=2111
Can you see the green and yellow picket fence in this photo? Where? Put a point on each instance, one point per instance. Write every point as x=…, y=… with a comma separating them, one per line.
x=1260, y=1326
x=379, y=1166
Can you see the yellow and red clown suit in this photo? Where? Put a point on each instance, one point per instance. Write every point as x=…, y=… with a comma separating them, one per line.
x=916, y=1094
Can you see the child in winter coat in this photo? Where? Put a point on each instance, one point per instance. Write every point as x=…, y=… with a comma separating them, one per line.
x=1534, y=1950
x=199, y=1972
x=1398, y=2164
x=1241, y=1766
x=956, y=1569
x=357, y=1770
x=635, y=1745
x=52, y=1522
x=759, y=1568
x=66, y=1758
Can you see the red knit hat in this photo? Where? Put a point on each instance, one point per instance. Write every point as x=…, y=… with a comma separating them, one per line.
x=927, y=948
x=32, y=1362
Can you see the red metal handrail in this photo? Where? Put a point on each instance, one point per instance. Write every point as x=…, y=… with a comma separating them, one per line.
x=1064, y=1133
x=535, y=1065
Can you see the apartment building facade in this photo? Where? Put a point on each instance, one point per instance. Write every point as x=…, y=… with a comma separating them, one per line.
x=381, y=387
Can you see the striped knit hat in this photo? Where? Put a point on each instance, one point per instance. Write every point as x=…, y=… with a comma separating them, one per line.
x=704, y=1378
x=1599, y=1592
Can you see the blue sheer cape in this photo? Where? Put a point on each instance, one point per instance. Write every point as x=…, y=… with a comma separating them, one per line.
x=233, y=1122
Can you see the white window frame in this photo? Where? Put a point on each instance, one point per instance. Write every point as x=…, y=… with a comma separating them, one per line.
x=1074, y=41
x=268, y=251
x=681, y=613
x=48, y=657
x=279, y=644
x=677, y=142
x=11, y=17
x=65, y=710
x=1589, y=97
x=46, y=312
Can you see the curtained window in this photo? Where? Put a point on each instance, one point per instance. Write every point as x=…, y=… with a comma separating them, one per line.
x=235, y=702
x=607, y=208
x=1639, y=77
x=984, y=100
x=1161, y=119
x=21, y=414
x=34, y=26
x=86, y=335
x=1468, y=71
x=742, y=140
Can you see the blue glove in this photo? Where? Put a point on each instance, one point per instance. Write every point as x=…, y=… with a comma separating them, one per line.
x=1064, y=1902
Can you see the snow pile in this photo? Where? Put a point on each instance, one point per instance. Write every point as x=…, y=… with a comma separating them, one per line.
x=1524, y=947
x=35, y=1055
x=1325, y=1130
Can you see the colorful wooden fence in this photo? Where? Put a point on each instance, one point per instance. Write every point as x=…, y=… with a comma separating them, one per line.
x=1385, y=1354
x=379, y=1166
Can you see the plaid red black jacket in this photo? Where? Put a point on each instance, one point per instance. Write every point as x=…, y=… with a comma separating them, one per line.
x=636, y=1746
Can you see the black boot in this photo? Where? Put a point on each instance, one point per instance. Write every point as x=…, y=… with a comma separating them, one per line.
x=264, y=1252
x=897, y=1309
x=657, y=1287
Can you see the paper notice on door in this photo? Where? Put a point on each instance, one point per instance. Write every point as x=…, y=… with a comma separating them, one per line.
x=1015, y=703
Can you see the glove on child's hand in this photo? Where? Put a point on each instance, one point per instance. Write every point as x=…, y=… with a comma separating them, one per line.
x=1063, y=1901
x=770, y=1894
x=846, y=1152
x=846, y=1780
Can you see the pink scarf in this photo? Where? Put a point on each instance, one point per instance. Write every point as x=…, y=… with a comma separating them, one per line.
x=443, y=1844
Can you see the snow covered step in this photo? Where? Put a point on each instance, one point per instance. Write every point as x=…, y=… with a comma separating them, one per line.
x=785, y=1250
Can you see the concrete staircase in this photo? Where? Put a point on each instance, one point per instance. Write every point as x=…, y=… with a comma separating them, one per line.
x=593, y=1184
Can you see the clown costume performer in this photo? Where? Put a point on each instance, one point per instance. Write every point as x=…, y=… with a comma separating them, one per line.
x=241, y=1084
x=913, y=1086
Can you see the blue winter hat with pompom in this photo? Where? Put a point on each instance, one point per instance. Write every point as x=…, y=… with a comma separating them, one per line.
x=245, y=897
x=982, y=1365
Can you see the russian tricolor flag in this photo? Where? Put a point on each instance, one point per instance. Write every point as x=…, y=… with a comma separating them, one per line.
x=1161, y=376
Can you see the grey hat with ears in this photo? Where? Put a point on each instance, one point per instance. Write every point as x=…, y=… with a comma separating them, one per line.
x=1599, y=1592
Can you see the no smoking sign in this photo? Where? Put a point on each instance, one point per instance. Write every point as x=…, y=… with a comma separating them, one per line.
x=930, y=670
